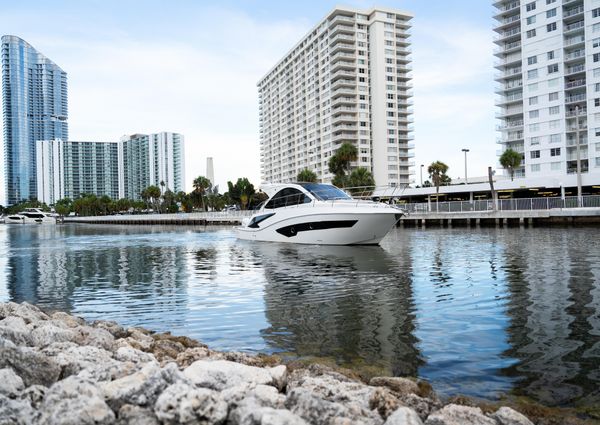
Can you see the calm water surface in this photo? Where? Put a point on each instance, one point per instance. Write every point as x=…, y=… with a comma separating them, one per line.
x=475, y=311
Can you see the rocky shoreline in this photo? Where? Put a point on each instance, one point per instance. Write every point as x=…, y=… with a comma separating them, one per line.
x=58, y=369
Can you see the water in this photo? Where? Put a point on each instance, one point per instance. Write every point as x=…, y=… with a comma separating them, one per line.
x=478, y=312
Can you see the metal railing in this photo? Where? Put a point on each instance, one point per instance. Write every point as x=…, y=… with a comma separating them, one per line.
x=514, y=204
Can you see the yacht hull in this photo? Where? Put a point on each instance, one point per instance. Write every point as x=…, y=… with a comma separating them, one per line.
x=323, y=227
x=27, y=220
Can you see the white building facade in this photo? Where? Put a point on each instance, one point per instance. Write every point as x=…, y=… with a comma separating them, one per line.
x=69, y=169
x=549, y=86
x=347, y=80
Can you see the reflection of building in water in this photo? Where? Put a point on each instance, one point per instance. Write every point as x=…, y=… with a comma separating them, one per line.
x=98, y=274
x=553, y=305
x=354, y=304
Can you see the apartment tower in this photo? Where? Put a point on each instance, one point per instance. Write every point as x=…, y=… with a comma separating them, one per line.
x=347, y=80
x=34, y=107
x=549, y=84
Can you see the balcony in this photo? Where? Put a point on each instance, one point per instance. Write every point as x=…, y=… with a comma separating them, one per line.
x=575, y=26
x=510, y=99
x=341, y=46
x=342, y=74
x=343, y=83
x=343, y=118
x=573, y=12
x=510, y=125
x=573, y=113
x=510, y=112
x=506, y=35
x=341, y=29
x=503, y=22
x=575, y=98
x=508, y=47
x=574, y=55
x=342, y=64
x=342, y=19
x=578, y=39
x=574, y=84
x=575, y=69
x=508, y=8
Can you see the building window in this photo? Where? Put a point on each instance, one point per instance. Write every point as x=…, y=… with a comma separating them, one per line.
x=535, y=154
x=532, y=87
x=531, y=60
x=554, y=110
x=596, y=12
x=551, y=13
x=555, y=166
x=555, y=152
x=596, y=57
x=551, y=27
x=534, y=114
x=597, y=132
x=533, y=100
x=534, y=127
x=550, y=1
x=530, y=33
x=597, y=101
x=554, y=124
x=555, y=138
x=531, y=20
x=535, y=168
x=551, y=55
x=553, y=96
x=597, y=162
x=531, y=74
x=553, y=82
x=596, y=28
x=534, y=141
x=552, y=68
x=530, y=6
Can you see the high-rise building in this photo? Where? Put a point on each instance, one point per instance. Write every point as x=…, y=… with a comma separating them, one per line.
x=151, y=160
x=549, y=85
x=34, y=106
x=117, y=169
x=210, y=170
x=347, y=80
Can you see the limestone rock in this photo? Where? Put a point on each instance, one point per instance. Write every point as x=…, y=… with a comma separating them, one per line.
x=130, y=354
x=74, y=401
x=182, y=403
x=384, y=402
x=399, y=385
x=221, y=374
x=191, y=355
x=96, y=337
x=48, y=333
x=17, y=412
x=265, y=395
x=32, y=366
x=453, y=414
x=27, y=312
x=403, y=416
x=141, y=388
x=34, y=395
x=279, y=376
x=508, y=416
x=249, y=412
x=112, y=327
x=11, y=384
x=68, y=320
x=15, y=330
x=74, y=358
x=136, y=415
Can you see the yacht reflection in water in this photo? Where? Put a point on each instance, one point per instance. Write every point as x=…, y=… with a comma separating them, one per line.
x=118, y=274
x=351, y=304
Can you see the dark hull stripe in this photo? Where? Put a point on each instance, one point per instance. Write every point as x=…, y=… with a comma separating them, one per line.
x=293, y=230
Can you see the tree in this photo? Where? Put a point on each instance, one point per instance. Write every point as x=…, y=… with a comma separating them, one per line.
x=362, y=180
x=63, y=207
x=511, y=160
x=241, y=192
x=339, y=163
x=307, y=176
x=153, y=194
x=201, y=184
x=162, y=186
x=437, y=172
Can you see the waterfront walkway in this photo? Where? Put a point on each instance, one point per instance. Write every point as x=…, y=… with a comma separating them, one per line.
x=187, y=219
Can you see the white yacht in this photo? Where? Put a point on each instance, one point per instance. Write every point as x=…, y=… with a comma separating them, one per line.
x=314, y=213
x=31, y=216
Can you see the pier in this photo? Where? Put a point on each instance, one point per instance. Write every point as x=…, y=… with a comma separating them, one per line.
x=182, y=219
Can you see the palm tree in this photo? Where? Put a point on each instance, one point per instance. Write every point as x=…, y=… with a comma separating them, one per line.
x=362, y=180
x=307, y=176
x=437, y=172
x=511, y=160
x=153, y=193
x=162, y=186
x=339, y=163
x=201, y=184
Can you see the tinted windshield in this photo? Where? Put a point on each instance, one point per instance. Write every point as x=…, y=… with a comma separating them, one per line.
x=325, y=192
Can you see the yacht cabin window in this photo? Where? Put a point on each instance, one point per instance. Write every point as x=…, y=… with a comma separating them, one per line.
x=288, y=197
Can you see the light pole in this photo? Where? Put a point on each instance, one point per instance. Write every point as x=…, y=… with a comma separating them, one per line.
x=422, y=165
x=465, y=151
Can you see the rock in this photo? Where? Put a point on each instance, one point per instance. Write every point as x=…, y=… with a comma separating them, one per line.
x=68, y=320
x=109, y=371
x=32, y=366
x=136, y=415
x=29, y=313
x=130, y=354
x=17, y=412
x=422, y=406
x=15, y=330
x=221, y=374
x=384, y=402
x=399, y=385
x=11, y=384
x=182, y=403
x=403, y=416
x=165, y=349
x=141, y=388
x=74, y=358
x=249, y=412
x=113, y=328
x=139, y=339
x=34, y=395
x=74, y=401
x=508, y=416
x=279, y=376
x=265, y=395
x=453, y=414
x=191, y=355
x=96, y=337
x=317, y=410
x=48, y=333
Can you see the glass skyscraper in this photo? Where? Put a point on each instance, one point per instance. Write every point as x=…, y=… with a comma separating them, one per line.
x=34, y=106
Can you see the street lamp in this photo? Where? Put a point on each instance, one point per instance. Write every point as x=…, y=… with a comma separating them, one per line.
x=465, y=151
x=422, y=165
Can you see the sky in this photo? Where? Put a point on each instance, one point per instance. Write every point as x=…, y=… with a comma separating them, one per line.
x=145, y=66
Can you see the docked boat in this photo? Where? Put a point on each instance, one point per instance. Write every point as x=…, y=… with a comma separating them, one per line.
x=31, y=216
x=314, y=213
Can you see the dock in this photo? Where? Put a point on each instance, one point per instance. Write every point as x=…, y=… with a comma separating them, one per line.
x=228, y=218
